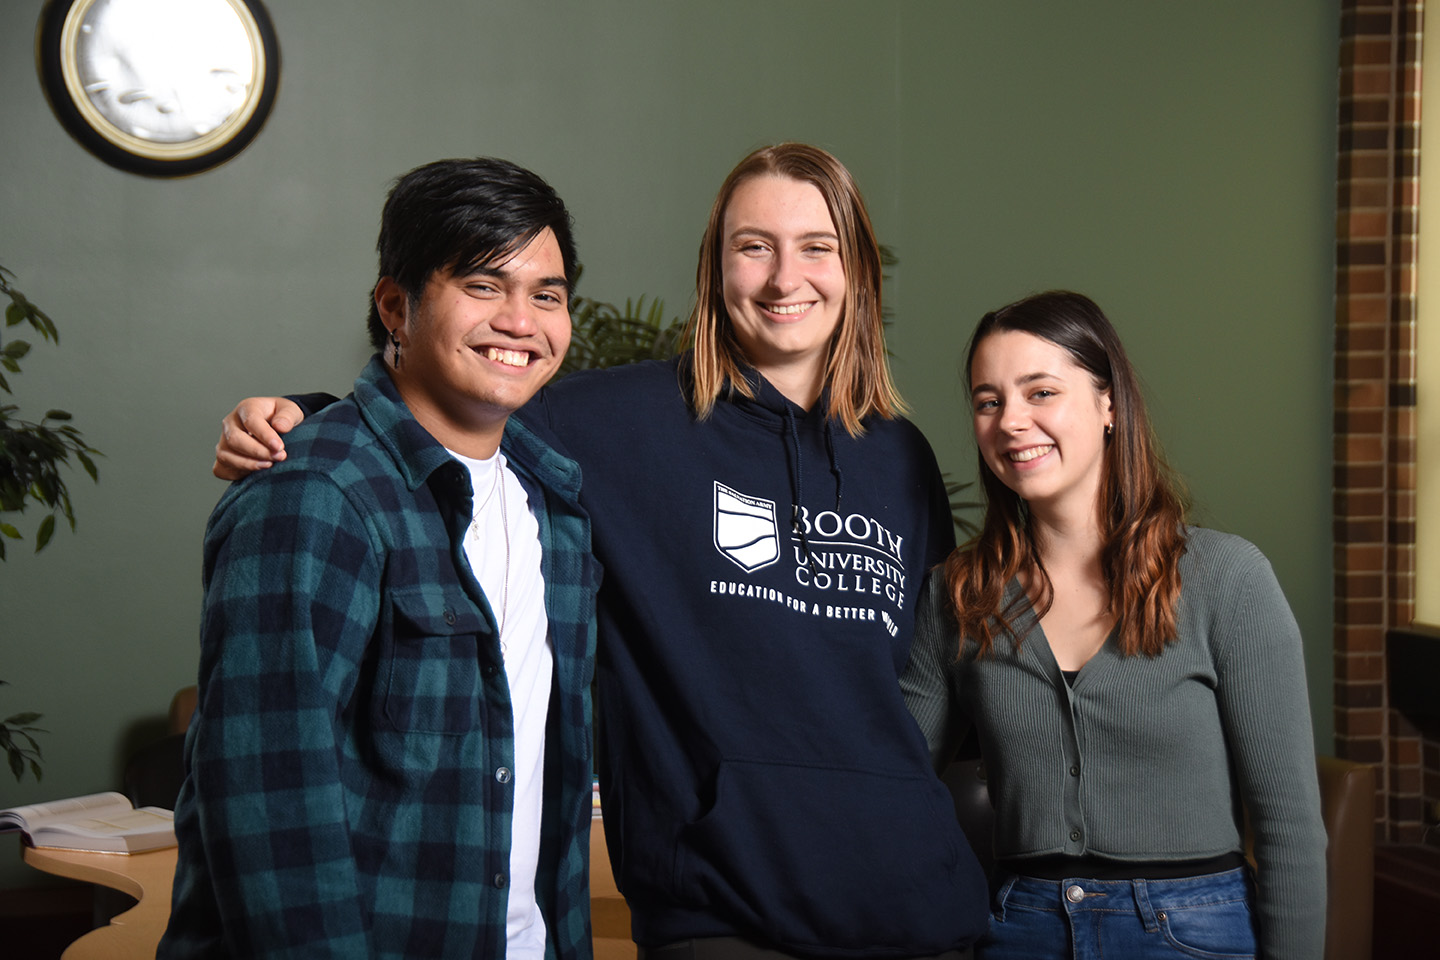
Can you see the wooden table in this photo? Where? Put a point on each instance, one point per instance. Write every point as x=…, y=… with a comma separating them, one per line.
x=147, y=877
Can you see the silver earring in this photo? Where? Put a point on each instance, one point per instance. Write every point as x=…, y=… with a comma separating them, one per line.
x=1109, y=427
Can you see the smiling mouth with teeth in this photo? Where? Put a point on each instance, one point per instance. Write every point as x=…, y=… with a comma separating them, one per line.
x=1023, y=456
x=786, y=309
x=511, y=358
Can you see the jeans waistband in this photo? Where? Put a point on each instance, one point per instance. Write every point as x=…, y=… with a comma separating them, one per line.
x=1148, y=897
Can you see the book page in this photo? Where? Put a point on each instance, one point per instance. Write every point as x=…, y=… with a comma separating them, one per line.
x=144, y=820
x=38, y=813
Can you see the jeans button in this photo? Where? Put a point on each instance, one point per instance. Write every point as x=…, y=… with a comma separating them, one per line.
x=1074, y=894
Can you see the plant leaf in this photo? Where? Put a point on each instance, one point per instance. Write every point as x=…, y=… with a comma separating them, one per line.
x=34, y=746
x=46, y=531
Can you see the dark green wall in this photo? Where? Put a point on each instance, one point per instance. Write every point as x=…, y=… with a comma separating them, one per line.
x=1174, y=160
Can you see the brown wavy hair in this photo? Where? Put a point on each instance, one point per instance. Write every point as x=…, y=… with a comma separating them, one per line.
x=1142, y=523
x=857, y=371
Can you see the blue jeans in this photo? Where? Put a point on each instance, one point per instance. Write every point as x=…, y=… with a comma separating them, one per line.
x=1208, y=917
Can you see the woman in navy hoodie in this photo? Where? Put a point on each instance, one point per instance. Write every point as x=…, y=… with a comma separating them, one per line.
x=765, y=517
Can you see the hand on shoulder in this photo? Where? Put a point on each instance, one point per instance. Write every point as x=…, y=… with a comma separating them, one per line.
x=250, y=436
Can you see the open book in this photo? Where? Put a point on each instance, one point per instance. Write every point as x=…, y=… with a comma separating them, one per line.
x=102, y=822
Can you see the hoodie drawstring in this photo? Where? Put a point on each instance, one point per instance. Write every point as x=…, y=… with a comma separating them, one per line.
x=797, y=479
x=797, y=484
x=834, y=463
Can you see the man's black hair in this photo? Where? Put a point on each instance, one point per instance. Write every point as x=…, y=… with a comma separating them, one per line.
x=456, y=215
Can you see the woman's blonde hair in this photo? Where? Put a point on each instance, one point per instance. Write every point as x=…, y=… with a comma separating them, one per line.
x=857, y=372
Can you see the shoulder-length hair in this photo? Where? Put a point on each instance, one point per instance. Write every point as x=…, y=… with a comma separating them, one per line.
x=857, y=372
x=1143, y=507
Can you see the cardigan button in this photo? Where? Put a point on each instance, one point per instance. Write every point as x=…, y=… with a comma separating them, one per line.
x=1074, y=769
x=1075, y=835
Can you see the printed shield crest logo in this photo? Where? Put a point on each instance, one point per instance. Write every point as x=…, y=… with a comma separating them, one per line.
x=745, y=529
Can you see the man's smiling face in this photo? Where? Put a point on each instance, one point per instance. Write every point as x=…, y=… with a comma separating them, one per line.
x=476, y=346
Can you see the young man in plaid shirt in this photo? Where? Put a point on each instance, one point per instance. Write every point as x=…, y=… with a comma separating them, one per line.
x=390, y=757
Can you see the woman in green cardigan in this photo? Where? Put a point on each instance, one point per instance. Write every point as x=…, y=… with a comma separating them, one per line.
x=1136, y=684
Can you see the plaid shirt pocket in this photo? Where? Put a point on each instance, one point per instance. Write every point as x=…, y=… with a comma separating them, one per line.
x=431, y=668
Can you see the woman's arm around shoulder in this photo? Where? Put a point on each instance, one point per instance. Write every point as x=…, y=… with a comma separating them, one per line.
x=250, y=435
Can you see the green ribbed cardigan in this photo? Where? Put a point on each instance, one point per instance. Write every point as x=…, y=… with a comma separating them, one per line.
x=1148, y=758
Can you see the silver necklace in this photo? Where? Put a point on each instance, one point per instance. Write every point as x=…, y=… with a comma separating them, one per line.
x=505, y=529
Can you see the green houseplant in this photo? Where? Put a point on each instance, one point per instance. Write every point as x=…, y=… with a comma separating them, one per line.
x=604, y=335
x=31, y=457
x=17, y=735
x=31, y=454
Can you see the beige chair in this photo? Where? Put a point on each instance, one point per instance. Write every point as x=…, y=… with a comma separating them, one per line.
x=182, y=708
x=1347, y=804
x=153, y=773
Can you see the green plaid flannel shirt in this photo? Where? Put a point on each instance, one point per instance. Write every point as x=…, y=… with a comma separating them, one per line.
x=347, y=790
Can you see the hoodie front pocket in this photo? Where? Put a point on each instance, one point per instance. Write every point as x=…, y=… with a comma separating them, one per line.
x=824, y=855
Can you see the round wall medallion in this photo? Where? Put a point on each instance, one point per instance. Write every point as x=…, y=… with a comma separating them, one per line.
x=164, y=88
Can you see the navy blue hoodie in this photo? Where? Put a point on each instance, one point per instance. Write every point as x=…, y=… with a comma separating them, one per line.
x=760, y=774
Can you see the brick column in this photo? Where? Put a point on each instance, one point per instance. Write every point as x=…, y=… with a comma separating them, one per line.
x=1376, y=232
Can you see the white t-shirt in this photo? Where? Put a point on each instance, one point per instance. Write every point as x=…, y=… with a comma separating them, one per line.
x=503, y=547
